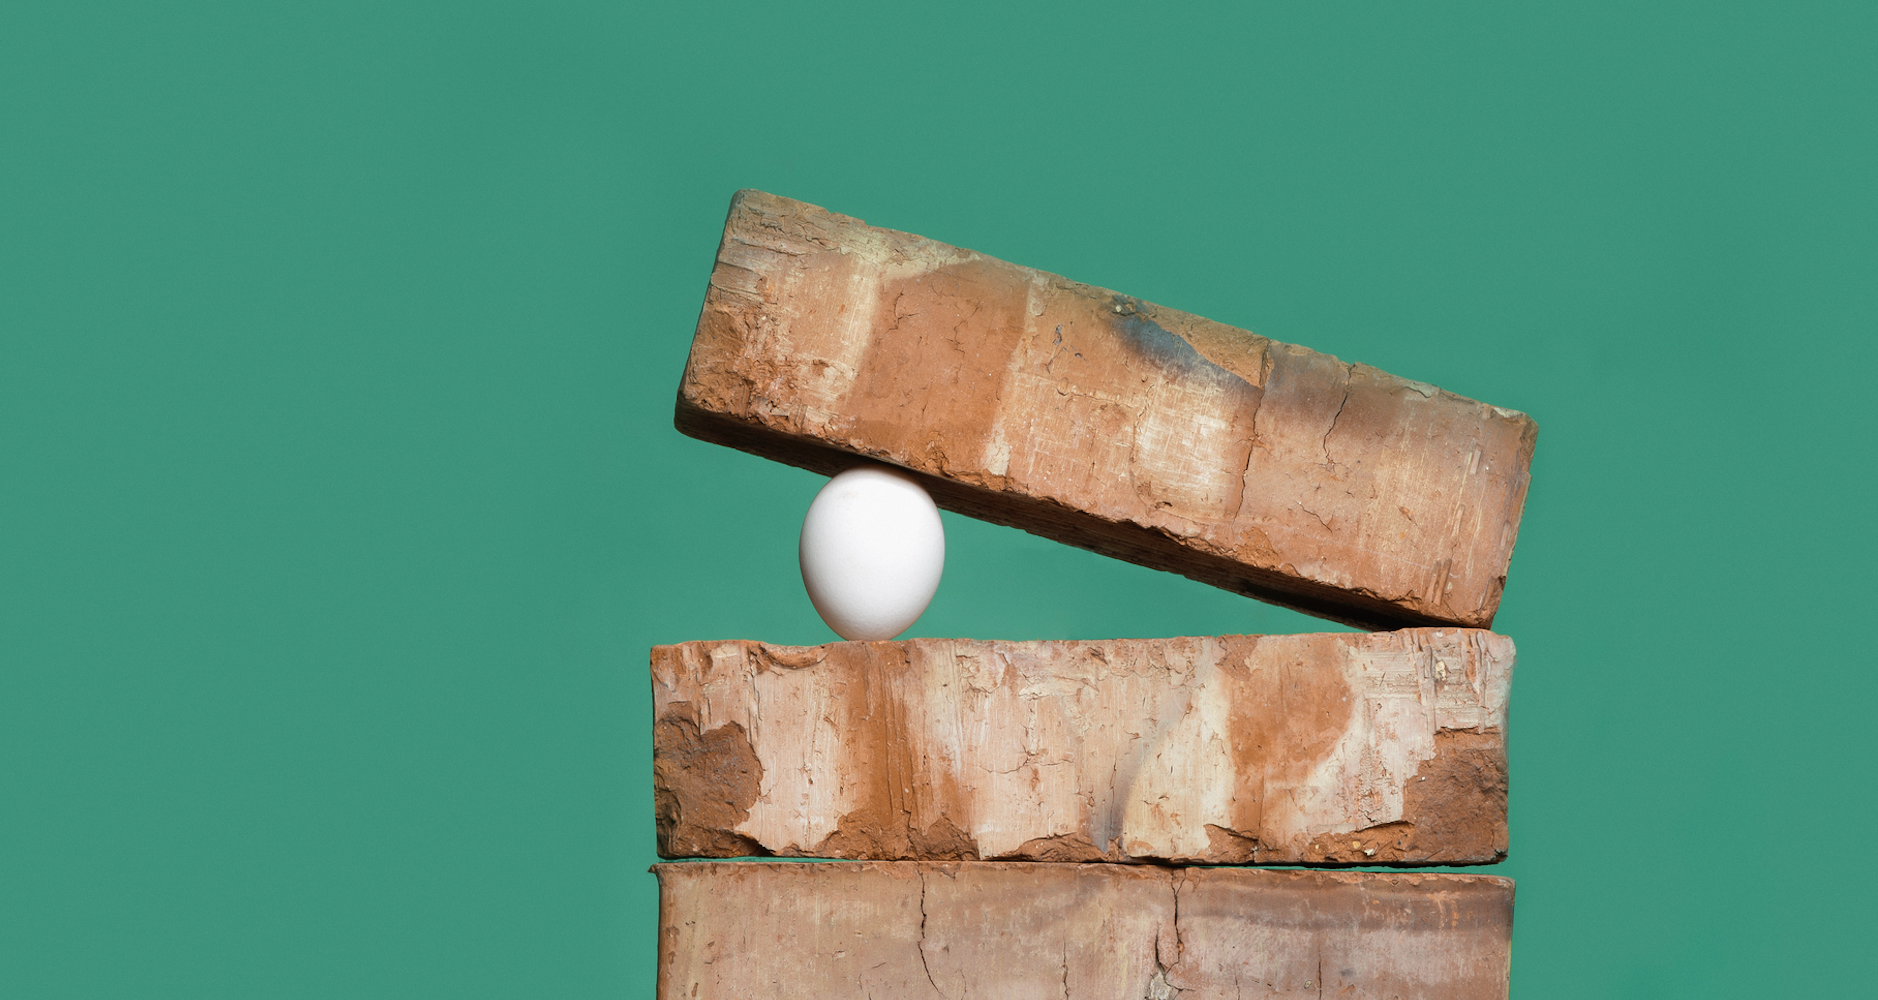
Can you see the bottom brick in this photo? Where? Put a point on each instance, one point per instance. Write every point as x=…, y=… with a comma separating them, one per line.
x=1015, y=929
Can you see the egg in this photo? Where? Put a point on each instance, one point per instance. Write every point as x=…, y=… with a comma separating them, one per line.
x=872, y=551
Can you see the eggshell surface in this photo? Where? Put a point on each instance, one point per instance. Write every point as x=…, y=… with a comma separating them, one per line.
x=872, y=551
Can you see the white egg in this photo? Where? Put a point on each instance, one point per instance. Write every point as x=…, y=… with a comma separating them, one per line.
x=872, y=552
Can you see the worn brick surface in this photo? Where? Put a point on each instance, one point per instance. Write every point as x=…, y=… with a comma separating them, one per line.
x=1104, y=421
x=888, y=931
x=1331, y=748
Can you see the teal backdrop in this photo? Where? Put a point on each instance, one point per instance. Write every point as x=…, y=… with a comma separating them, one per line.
x=340, y=502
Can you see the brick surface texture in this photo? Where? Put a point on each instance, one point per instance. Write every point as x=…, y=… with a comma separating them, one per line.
x=893, y=930
x=1317, y=749
x=1106, y=422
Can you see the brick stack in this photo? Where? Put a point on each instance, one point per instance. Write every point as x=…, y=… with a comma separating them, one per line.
x=1023, y=818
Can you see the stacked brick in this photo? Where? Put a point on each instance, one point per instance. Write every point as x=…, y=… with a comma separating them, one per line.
x=1025, y=818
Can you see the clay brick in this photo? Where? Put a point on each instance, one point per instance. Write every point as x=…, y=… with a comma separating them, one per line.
x=1322, y=749
x=985, y=929
x=1106, y=422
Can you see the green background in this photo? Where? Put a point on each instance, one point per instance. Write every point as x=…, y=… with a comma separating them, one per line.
x=339, y=499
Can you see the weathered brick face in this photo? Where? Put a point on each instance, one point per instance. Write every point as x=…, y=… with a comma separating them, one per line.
x=993, y=929
x=1106, y=422
x=1330, y=748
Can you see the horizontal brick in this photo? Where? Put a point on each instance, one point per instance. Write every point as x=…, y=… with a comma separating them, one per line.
x=1106, y=422
x=889, y=931
x=1322, y=749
